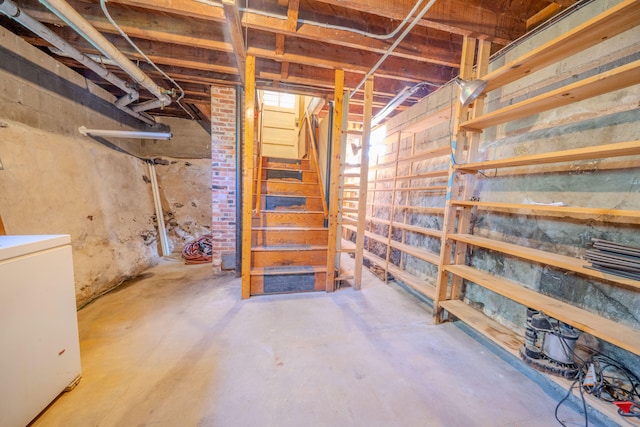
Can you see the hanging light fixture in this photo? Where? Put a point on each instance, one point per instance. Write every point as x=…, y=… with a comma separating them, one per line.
x=470, y=90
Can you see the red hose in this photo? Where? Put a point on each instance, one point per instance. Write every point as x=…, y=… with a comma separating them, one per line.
x=199, y=251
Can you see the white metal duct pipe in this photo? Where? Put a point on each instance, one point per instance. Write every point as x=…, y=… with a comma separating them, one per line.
x=148, y=105
x=10, y=9
x=79, y=24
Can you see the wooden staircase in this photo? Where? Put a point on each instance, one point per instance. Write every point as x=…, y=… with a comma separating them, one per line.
x=288, y=235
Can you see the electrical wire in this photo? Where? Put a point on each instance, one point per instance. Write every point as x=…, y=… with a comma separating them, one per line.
x=200, y=251
x=103, y=5
x=406, y=31
x=325, y=25
x=611, y=378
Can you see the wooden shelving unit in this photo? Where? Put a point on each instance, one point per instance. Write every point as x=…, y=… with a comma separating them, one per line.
x=396, y=189
x=453, y=268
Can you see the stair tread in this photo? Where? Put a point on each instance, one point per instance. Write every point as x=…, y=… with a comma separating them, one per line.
x=266, y=271
x=291, y=247
x=289, y=195
x=285, y=228
x=289, y=181
x=285, y=211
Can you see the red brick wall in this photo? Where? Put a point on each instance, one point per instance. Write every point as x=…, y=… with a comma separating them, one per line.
x=223, y=159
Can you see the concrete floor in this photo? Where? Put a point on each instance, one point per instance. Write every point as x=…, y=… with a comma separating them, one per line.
x=178, y=347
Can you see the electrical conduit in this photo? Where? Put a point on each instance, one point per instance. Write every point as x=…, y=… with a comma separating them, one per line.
x=394, y=45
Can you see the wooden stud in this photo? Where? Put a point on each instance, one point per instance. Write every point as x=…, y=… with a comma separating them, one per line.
x=393, y=204
x=279, y=44
x=235, y=29
x=364, y=174
x=449, y=221
x=469, y=181
x=3, y=232
x=334, y=174
x=247, y=174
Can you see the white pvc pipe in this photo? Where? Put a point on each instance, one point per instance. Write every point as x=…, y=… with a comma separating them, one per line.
x=79, y=24
x=124, y=133
x=162, y=231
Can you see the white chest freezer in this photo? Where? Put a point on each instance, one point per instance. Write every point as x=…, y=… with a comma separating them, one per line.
x=39, y=347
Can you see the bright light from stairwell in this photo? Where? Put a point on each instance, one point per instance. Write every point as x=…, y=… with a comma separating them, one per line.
x=377, y=147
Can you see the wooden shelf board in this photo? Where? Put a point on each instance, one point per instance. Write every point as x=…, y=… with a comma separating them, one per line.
x=576, y=210
x=347, y=245
x=417, y=229
x=371, y=235
x=618, y=334
x=416, y=252
x=425, y=209
x=608, y=24
x=433, y=174
x=556, y=260
x=429, y=121
x=429, y=154
x=414, y=282
x=618, y=78
x=493, y=330
x=603, y=151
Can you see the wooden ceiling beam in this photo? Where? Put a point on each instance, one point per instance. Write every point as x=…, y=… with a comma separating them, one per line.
x=421, y=45
x=454, y=16
x=235, y=30
x=320, y=54
x=136, y=24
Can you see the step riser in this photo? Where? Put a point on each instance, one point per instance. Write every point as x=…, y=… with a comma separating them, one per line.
x=296, y=283
x=277, y=237
x=289, y=175
x=277, y=219
x=292, y=187
x=288, y=258
x=295, y=203
x=302, y=165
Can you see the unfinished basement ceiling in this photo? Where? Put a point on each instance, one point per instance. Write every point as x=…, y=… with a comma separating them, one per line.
x=297, y=43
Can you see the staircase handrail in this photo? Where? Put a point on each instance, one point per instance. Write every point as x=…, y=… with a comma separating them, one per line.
x=312, y=143
x=259, y=161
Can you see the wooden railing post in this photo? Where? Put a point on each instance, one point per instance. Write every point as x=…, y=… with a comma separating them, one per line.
x=247, y=174
x=334, y=174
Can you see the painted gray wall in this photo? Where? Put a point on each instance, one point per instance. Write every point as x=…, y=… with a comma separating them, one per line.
x=58, y=181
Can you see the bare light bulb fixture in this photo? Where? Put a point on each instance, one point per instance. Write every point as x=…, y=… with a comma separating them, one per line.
x=470, y=90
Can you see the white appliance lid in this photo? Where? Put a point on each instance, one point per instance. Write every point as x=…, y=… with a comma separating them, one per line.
x=14, y=246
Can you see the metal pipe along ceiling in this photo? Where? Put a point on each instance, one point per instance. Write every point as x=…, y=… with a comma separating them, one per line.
x=80, y=25
x=10, y=9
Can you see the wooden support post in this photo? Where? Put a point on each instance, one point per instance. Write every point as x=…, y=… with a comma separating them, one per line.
x=364, y=180
x=334, y=175
x=3, y=232
x=237, y=41
x=247, y=174
x=393, y=206
x=469, y=180
x=457, y=148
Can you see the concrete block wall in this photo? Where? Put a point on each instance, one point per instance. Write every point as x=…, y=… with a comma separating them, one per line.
x=223, y=181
